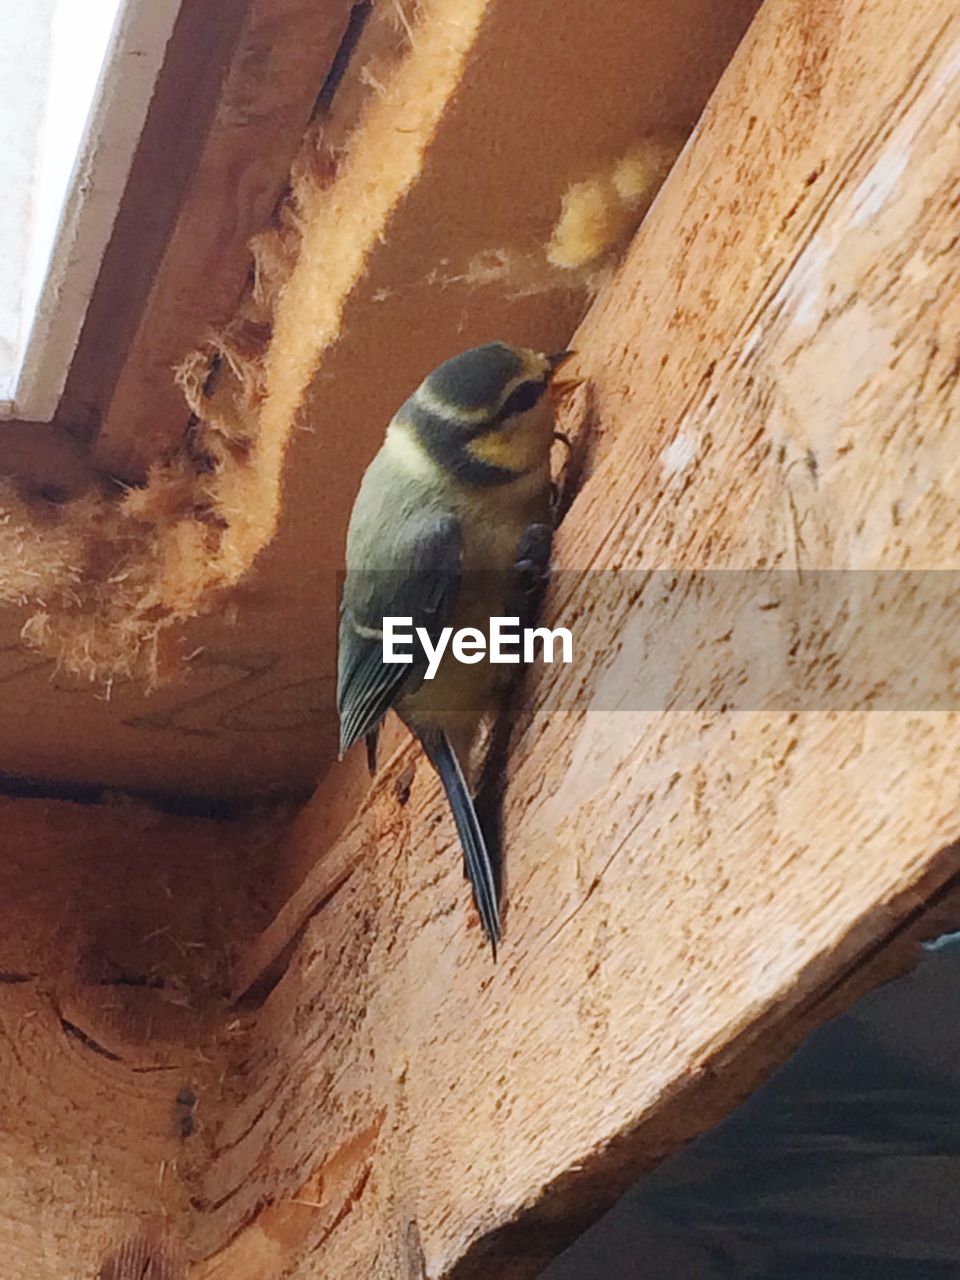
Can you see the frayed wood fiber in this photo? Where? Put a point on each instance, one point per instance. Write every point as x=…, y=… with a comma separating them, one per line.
x=109, y=578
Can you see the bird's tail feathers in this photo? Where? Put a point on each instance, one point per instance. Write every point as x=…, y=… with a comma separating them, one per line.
x=479, y=866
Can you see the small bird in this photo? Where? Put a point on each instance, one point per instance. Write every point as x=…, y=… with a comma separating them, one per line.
x=450, y=527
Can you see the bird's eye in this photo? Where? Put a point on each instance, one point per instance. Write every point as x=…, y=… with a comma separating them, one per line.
x=521, y=399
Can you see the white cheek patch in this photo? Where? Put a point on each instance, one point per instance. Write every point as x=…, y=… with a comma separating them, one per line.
x=407, y=453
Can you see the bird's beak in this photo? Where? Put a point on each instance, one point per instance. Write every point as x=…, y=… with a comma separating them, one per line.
x=560, y=386
x=557, y=360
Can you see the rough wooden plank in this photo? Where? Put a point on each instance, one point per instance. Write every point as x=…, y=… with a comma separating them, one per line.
x=116, y=925
x=773, y=382
x=276, y=70
x=239, y=84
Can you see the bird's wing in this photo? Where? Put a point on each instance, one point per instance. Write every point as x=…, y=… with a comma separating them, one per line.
x=425, y=589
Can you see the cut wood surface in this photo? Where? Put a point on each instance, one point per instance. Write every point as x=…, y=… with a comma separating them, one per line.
x=772, y=382
x=693, y=876
x=116, y=926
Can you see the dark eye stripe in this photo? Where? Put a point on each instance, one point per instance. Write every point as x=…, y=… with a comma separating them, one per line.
x=521, y=399
x=448, y=446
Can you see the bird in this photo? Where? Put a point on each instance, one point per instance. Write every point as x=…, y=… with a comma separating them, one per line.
x=451, y=526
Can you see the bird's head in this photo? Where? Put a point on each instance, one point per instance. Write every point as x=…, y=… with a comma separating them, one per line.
x=482, y=415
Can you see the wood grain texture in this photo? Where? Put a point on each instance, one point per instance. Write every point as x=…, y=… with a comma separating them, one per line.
x=772, y=383
x=116, y=927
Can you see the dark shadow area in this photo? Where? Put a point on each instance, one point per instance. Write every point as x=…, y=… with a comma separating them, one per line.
x=844, y=1166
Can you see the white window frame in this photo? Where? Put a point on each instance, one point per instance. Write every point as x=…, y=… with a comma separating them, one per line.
x=117, y=116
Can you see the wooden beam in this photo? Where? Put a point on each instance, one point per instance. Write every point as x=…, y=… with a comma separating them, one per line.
x=176, y=129
x=265, y=100
x=772, y=384
x=116, y=924
x=45, y=460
